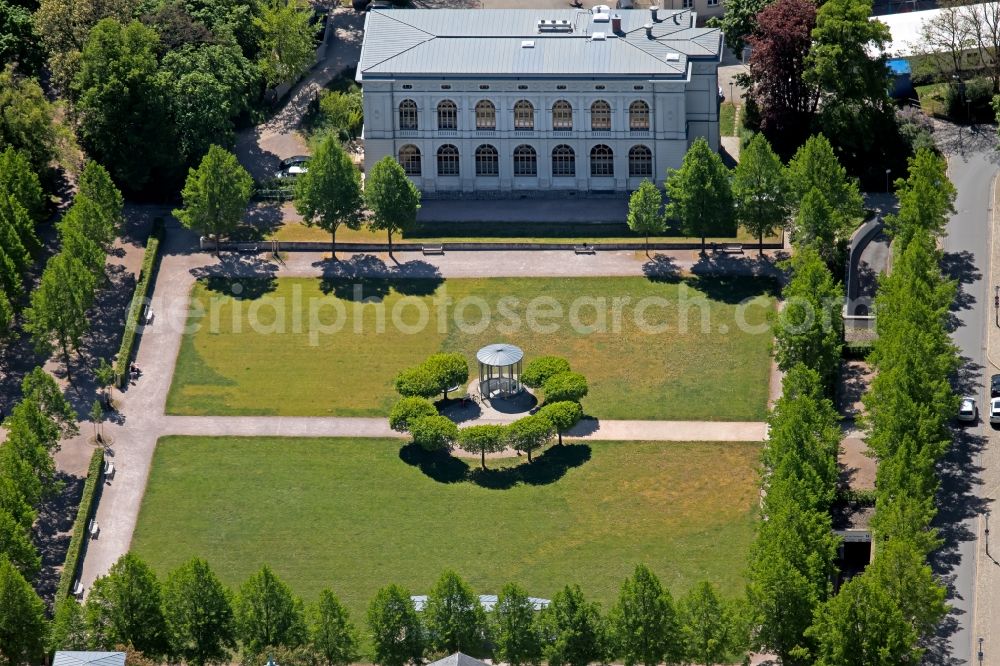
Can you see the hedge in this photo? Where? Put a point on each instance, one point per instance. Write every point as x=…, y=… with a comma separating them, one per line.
x=84, y=513
x=138, y=300
x=857, y=350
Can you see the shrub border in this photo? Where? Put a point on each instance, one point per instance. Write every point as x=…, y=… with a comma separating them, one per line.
x=138, y=300
x=77, y=542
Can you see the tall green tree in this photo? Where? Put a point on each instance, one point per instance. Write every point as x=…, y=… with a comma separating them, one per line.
x=215, y=194
x=331, y=633
x=59, y=306
x=816, y=167
x=644, y=215
x=329, y=193
x=87, y=234
x=68, y=630
x=711, y=626
x=198, y=614
x=760, y=190
x=19, y=180
x=574, y=628
x=699, y=194
x=392, y=198
x=124, y=608
x=96, y=184
x=739, y=22
x=644, y=622
x=121, y=105
x=810, y=328
x=23, y=627
x=16, y=546
x=287, y=40
x=818, y=227
x=926, y=197
x=397, y=634
x=267, y=613
x=862, y=625
x=26, y=119
x=515, y=629
x=454, y=618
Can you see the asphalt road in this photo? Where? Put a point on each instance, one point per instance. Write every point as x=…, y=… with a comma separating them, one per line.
x=972, y=167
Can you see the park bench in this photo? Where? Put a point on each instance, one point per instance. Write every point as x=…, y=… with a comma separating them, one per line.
x=432, y=249
x=109, y=470
x=584, y=249
x=93, y=529
x=78, y=589
x=732, y=248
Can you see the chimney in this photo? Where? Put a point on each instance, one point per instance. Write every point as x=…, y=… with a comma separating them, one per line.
x=649, y=30
x=653, y=12
x=616, y=24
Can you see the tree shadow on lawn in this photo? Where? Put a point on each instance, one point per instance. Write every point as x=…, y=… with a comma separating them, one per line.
x=244, y=277
x=734, y=289
x=546, y=468
x=366, y=278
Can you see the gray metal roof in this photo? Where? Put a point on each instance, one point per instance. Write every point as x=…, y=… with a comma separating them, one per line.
x=490, y=42
x=72, y=658
x=458, y=659
x=499, y=355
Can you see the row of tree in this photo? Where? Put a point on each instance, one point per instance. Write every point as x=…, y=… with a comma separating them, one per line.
x=22, y=206
x=813, y=192
x=57, y=316
x=192, y=617
x=819, y=67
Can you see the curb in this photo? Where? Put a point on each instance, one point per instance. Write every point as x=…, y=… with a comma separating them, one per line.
x=324, y=246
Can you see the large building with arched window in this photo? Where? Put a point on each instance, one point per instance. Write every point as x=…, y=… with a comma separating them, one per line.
x=505, y=101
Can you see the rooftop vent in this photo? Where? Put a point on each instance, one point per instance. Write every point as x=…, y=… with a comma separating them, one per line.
x=616, y=24
x=599, y=37
x=527, y=45
x=654, y=13
x=672, y=57
x=602, y=17
x=553, y=25
x=601, y=9
x=649, y=30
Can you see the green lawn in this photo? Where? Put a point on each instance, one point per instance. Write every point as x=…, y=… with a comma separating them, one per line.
x=706, y=369
x=727, y=118
x=351, y=515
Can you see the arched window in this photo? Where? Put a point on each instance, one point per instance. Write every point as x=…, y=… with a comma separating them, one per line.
x=563, y=161
x=562, y=116
x=600, y=115
x=525, y=161
x=640, y=162
x=409, y=159
x=602, y=161
x=638, y=115
x=487, y=161
x=447, y=160
x=524, y=115
x=447, y=115
x=407, y=115
x=486, y=115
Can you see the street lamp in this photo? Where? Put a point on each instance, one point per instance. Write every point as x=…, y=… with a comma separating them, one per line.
x=731, y=93
x=887, y=172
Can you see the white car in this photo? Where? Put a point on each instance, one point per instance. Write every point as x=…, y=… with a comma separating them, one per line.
x=967, y=410
x=995, y=410
x=292, y=171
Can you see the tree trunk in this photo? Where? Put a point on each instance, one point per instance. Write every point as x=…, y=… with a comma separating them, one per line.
x=760, y=248
x=703, y=245
x=647, y=245
x=483, y=454
x=333, y=244
x=529, y=455
x=560, y=437
x=218, y=254
x=389, y=233
x=69, y=371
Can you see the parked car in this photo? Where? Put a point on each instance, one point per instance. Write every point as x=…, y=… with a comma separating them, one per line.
x=994, y=386
x=967, y=410
x=295, y=160
x=995, y=410
x=291, y=172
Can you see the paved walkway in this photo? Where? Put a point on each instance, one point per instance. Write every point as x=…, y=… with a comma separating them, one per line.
x=143, y=404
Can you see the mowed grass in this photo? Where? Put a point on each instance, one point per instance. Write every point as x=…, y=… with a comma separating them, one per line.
x=352, y=516
x=684, y=356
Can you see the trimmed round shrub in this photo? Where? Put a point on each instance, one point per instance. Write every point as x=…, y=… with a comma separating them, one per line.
x=417, y=381
x=410, y=409
x=448, y=370
x=529, y=433
x=483, y=439
x=433, y=433
x=571, y=386
x=562, y=415
x=538, y=370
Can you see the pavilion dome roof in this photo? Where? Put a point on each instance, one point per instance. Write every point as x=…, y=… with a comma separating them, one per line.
x=500, y=354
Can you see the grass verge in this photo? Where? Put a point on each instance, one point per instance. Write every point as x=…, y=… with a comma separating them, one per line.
x=354, y=515
x=694, y=349
x=727, y=119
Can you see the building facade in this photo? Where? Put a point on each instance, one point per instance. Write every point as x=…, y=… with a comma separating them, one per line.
x=506, y=101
